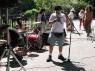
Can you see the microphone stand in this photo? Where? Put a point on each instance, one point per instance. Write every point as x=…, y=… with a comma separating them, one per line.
x=72, y=26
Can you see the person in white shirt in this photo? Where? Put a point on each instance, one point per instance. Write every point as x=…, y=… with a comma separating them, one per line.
x=71, y=16
x=56, y=35
x=81, y=16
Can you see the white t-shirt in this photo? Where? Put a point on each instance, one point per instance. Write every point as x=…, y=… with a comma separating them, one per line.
x=81, y=15
x=71, y=15
x=57, y=26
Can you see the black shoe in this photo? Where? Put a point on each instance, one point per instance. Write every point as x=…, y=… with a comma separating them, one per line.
x=49, y=58
x=61, y=58
x=88, y=35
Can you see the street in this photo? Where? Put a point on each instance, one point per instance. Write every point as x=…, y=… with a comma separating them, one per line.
x=82, y=56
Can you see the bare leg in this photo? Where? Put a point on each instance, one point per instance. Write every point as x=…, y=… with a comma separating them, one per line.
x=50, y=53
x=50, y=49
x=60, y=49
x=60, y=53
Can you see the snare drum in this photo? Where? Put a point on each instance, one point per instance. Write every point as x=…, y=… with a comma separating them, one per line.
x=32, y=37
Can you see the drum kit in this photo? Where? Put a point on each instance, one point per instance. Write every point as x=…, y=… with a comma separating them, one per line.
x=8, y=4
x=8, y=49
x=33, y=38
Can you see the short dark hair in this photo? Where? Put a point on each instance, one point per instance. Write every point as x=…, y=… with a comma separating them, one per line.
x=57, y=8
x=42, y=10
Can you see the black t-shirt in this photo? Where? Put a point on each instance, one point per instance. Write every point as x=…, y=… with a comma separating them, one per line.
x=14, y=35
x=43, y=18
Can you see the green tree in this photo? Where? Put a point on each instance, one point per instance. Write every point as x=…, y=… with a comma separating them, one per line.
x=49, y=4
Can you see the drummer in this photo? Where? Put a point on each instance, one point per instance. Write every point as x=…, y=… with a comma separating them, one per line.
x=14, y=38
x=42, y=19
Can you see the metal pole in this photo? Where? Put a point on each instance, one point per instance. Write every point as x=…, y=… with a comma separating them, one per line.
x=0, y=17
x=69, y=47
x=8, y=40
x=7, y=16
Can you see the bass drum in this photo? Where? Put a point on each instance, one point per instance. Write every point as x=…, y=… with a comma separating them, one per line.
x=34, y=41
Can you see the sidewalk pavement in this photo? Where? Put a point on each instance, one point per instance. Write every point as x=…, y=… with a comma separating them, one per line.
x=82, y=57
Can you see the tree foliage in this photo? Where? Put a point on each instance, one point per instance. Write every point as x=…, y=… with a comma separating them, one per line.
x=66, y=4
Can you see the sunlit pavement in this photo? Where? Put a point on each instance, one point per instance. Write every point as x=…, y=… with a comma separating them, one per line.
x=82, y=56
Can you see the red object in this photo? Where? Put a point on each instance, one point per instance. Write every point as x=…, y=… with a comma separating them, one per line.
x=32, y=37
x=81, y=22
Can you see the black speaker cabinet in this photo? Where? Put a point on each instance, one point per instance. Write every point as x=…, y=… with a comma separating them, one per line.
x=45, y=38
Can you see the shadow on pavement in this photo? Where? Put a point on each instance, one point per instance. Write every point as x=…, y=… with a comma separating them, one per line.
x=40, y=50
x=69, y=66
x=15, y=64
x=33, y=55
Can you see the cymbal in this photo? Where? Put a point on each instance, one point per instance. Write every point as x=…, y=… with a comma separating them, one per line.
x=2, y=41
